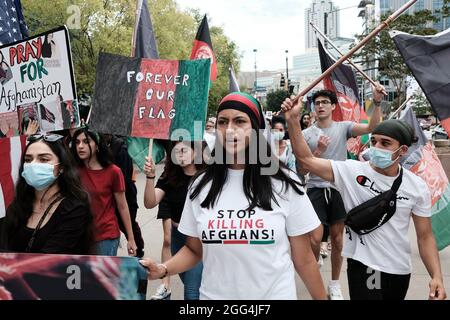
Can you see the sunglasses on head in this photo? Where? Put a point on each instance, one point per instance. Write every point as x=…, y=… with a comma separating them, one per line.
x=49, y=137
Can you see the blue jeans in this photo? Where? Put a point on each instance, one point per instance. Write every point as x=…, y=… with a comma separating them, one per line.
x=191, y=278
x=107, y=247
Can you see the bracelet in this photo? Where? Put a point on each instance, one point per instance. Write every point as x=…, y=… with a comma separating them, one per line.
x=150, y=177
x=166, y=272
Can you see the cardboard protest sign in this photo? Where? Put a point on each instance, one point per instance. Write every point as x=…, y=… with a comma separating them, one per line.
x=150, y=98
x=29, y=276
x=37, y=83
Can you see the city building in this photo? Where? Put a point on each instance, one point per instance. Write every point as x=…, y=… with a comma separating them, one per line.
x=371, y=11
x=325, y=15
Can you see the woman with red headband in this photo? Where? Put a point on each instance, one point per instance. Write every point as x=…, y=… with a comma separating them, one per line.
x=246, y=216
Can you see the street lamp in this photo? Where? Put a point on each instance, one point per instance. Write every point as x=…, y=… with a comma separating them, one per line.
x=256, y=76
x=287, y=69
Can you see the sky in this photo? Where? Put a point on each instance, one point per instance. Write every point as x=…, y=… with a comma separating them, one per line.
x=269, y=26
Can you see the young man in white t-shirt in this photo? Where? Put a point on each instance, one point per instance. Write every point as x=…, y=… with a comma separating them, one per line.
x=379, y=263
x=327, y=139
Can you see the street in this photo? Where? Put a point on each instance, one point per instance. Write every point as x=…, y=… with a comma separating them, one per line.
x=153, y=235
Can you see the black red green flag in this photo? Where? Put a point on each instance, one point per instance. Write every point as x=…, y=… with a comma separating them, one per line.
x=203, y=48
x=428, y=59
x=343, y=81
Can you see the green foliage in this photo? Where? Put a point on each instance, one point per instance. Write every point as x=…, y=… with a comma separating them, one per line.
x=107, y=25
x=275, y=99
x=421, y=105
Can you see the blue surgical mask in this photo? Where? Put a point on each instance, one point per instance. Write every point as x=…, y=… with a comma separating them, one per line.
x=381, y=158
x=278, y=135
x=39, y=175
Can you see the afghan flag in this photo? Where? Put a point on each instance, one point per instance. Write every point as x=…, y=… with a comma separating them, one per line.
x=147, y=98
x=422, y=160
x=233, y=83
x=10, y=154
x=31, y=276
x=343, y=81
x=203, y=48
x=428, y=59
x=145, y=47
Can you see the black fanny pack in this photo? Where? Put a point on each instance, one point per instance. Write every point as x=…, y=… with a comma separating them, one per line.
x=373, y=213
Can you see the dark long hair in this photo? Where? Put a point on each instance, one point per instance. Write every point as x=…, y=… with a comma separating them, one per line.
x=258, y=189
x=302, y=125
x=104, y=155
x=174, y=172
x=69, y=185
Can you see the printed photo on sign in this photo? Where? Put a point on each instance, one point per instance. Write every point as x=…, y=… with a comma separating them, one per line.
x=9, y=124
x=37, y=82
x=32, y=79
x=26, y=114
x=28, y=276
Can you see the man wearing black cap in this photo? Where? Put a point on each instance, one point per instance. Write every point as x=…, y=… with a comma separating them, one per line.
x=328, y=140
x=379, y=263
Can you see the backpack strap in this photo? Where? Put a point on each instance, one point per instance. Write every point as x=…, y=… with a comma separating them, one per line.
x=397, y=181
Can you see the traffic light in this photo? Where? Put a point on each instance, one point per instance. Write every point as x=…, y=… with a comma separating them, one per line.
x=282, y=82
x=290, y=87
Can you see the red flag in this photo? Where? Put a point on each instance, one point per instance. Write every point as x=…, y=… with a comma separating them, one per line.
x=10, y=152
x=203, y=48
x=343, y=81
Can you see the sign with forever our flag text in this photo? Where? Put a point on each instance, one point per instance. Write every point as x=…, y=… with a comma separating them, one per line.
x=148, y=98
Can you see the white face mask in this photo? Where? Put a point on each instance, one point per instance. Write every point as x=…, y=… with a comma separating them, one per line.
x=278, y=135
x=39, y=175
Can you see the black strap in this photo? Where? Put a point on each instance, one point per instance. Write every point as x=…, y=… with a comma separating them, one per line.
x=397, y=181
x=41, y=221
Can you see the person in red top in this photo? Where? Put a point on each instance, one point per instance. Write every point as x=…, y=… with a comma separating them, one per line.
x=105, y=184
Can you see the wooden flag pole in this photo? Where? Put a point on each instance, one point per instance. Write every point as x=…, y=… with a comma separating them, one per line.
x=396, y=113
x=138, y=16
x=365, y=75
x=392, y=116
x=374, y=32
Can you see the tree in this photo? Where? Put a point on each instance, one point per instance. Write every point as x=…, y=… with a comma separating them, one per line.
x=275, y=99
x=107, y=26
x=420, y=103
x=383, y=49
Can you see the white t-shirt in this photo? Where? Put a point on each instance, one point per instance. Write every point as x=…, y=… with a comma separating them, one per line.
x=338, y=132
x=387, y=248
x=246, y=255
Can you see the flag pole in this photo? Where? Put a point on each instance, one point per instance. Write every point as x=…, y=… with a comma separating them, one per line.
x=365, y=75
x=374, y=32
x=402, y=106
x=392, y=116
x=139, y=4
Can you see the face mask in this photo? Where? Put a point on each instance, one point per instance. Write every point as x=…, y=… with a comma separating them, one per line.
x=381, y=158
x=38, y=175
x=278, y=135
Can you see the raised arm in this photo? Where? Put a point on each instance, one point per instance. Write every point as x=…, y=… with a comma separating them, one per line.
x=152, y=195
x=360, y=129
x=308, y=162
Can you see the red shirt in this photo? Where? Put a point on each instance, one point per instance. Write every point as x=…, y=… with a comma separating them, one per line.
x=101, y=185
